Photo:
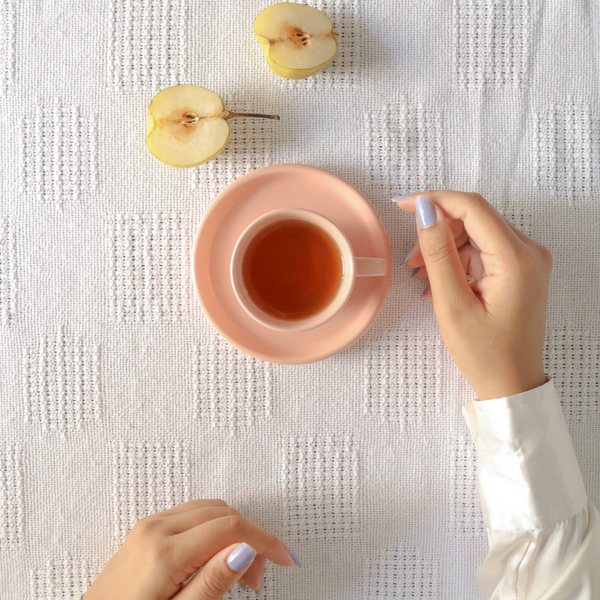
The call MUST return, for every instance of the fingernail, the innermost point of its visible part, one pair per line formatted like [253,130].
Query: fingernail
[261,589]
[241,557]
[415,271]
[295,558]
[396,198]
[425,291]
[425,212]
[406,257]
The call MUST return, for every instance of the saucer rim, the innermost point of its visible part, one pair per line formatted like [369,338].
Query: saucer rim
[299,360]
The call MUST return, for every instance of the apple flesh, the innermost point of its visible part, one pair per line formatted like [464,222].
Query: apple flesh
[188,125]
[298,40]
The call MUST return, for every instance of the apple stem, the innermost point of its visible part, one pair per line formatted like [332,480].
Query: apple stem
[232,115]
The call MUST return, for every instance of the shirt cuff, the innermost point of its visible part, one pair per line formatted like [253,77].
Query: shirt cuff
[529,477]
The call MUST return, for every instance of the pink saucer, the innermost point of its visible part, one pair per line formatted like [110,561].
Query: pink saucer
[268,189]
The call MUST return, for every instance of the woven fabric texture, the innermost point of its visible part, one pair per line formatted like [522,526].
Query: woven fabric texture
[117,398]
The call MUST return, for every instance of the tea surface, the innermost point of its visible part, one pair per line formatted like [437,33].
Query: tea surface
[292,269]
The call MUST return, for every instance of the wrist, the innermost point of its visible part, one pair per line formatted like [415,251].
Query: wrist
[503,386]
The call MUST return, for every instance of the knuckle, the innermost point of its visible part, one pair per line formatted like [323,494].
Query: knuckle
[547,257]
[214,583]
[519,258]
[235,524]
[527,263]
[532,262]
[218,502]
[147,526]
[477,199]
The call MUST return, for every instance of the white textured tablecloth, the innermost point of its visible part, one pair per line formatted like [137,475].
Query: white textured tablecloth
[117,399]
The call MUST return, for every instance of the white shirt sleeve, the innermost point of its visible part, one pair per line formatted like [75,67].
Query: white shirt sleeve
[544,534]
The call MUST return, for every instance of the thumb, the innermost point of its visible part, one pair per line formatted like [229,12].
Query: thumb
[447,278]
[219,574]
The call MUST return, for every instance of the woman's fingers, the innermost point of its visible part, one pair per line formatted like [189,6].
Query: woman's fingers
[181,522]
[426,295]
[519,233]
[476,287]
[484,224]
[460,239]
[471,261]
[191,505]
[220,574]
[449,285]
[419,273]
[194,548]
[414,258]
[254,575]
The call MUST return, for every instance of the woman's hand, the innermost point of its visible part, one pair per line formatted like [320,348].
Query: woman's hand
[494,327]
[164,550]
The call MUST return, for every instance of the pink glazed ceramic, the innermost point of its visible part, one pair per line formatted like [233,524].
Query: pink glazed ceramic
[352,267]
[263,191]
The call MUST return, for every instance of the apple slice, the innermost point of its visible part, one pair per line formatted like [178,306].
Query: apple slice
[298,39]
[188,125]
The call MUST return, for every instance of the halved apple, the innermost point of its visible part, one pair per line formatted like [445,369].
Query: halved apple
[187,125]
[298,39]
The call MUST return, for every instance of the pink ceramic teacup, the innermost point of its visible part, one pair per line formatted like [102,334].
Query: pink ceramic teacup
[352,267]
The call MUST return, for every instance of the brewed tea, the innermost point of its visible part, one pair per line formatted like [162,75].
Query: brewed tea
[292,269]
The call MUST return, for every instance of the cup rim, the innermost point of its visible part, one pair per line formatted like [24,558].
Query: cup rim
[332,308]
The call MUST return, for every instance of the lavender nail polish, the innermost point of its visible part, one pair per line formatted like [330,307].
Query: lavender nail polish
[426,214]
[414,272]
[241,557]
[295,558]
[405,260]
[425,291]
[403,197]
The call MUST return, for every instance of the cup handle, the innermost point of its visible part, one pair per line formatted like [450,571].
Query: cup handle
[370,267]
